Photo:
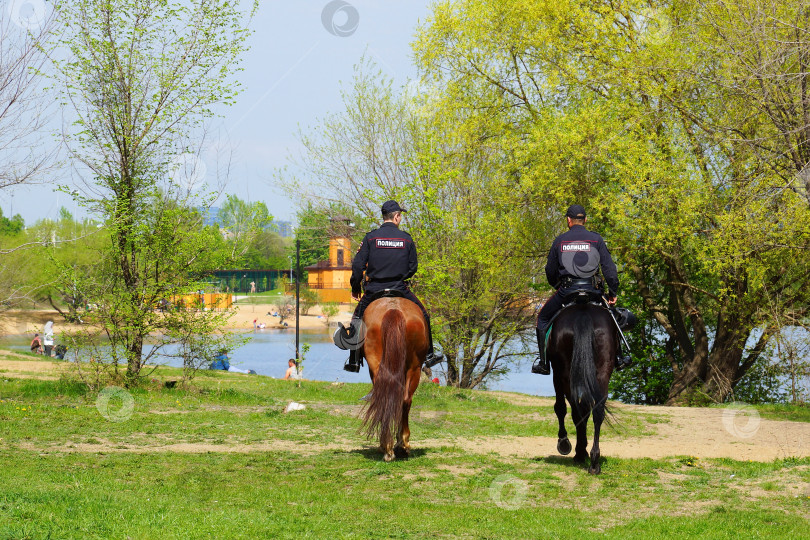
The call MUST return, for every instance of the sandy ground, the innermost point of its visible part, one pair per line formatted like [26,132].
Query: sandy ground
[735,432]
[244,316]
[27,322]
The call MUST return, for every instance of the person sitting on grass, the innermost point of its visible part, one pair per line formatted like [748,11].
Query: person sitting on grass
[36,344]
[292,371]
[223,362]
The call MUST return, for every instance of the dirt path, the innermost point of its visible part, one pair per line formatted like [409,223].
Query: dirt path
[703,433]
[18,366]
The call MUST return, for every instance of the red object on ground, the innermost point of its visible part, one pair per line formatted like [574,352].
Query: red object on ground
[435,380]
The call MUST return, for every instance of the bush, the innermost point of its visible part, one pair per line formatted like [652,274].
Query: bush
[330,310]
[285,307]
[309,299]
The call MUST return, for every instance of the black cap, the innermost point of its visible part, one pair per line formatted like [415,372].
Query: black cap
[575,211]
[390,207]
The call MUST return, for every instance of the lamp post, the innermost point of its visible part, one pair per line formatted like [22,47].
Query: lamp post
[297,294]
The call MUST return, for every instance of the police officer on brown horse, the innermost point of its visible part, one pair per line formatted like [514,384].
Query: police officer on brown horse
[386,260]
[573,263]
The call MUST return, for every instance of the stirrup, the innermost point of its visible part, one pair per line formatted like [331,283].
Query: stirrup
[541,366]
[353,367]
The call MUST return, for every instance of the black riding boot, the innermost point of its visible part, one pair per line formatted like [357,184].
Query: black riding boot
[540,365]
[353,363]
[622,361]
[432,357]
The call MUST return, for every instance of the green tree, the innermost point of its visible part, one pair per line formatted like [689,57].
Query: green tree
[140,77]
[242,222]
[607,105]
[68,253]
[388,144]
[24,157]
[11,226]
[268,250]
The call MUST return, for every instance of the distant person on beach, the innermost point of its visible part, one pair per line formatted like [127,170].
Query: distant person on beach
[292,371]
[36,344]
[48,338]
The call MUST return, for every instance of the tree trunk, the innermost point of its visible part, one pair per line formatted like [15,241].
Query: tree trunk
[688,377]
[134,355]
[714,375]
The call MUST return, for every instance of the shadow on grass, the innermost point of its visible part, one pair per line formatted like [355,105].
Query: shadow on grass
[567,461]
[374,454]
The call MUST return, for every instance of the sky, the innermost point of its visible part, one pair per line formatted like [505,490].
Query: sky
[301,52]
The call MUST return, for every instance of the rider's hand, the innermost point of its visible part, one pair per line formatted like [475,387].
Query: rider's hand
[356,296]
[612,300]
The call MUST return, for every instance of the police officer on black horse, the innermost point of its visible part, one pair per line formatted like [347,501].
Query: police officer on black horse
[573,263]
[388,258]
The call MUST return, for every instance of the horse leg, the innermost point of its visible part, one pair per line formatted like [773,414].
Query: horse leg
[403,447]
[387,449]
[560,409]
[604,368]
[598,418]
[580,418]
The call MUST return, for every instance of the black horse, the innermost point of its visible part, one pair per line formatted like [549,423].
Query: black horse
[582,348]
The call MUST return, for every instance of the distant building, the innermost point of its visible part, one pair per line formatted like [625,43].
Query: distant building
[331,277]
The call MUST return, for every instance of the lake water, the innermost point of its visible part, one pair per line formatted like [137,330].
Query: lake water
[268,351]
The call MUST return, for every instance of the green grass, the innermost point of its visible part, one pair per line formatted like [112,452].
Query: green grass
[259,473]
[796,413]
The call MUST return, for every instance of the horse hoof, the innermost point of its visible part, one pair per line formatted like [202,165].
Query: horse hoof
[388,457]
[564,446]
[580,460]
[595,470]
[402,452]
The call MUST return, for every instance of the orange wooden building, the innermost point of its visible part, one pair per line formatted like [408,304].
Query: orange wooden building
[330,278]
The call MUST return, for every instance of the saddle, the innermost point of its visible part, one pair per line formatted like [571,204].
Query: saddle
[625,319]
[386,293]
[352,338]
[577,297]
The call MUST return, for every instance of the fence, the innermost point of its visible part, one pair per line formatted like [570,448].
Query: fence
[201,301]
[247,281]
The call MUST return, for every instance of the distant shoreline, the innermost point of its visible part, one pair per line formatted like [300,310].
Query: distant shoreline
[30,321]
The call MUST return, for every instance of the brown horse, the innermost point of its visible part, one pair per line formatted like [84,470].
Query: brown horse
[582,348]
[395,348]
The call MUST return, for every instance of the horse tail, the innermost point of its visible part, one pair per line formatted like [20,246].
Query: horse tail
[384,413]
[584,386]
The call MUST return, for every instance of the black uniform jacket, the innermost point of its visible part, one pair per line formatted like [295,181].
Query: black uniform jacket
[578,238]
[388,257]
